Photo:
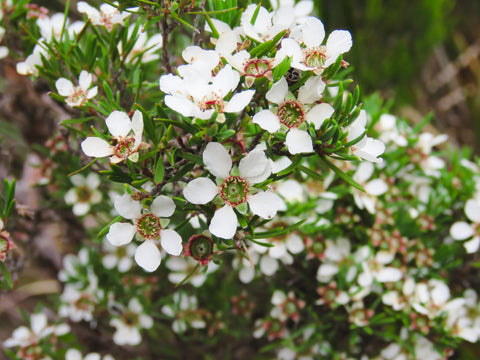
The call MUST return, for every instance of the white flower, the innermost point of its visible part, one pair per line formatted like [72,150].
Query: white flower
[29,66]
[184,311]
[126,147]
[77,305]
[199,94]
[84,194]
[38,330]
[129,324]
[367,148]
[234,190]
[53,27]
[108,15]
[291,113]
[267,25]
[119,257]
[462,230]
[76,95]
[144,47]
[305,46]
[388,130]
[148,226]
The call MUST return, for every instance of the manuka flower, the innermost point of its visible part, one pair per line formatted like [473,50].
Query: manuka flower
[148,226]
[367,148]
[199,94]
[144,47]
[124,146]
[108,15]
[292,113]
[305,46]
[76,95]
[129,324]
[234,190]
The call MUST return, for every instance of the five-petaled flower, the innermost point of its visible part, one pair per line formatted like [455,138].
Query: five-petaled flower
[124,146]
[76,95]
[147,224]
[234,190]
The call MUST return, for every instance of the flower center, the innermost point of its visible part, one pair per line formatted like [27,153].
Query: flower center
[290,113]
[212,102]
[125,147]
[290,308]
[84,194]
[234,190]
[315,57]
[148,226]
[257,67]
[130,318]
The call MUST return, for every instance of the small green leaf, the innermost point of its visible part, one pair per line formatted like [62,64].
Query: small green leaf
[276,232]
[105,230]
[159,171]
[342,175]
[8,279]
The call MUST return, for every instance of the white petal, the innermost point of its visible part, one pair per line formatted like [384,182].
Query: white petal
[472,245]
[127,207]
[319,113]
[461,231]
[313,32]
[217,160]
[376,187]
[371,151]
[312,90]
[121,233]
[137,123]
[96,147]
[389,274]
[148,256]
[64,87]
[472,210]
[267,121]
[268,265]
[266,204]
[224,223]
[298,141]
[295,244]
[364,172]
[38,322]
[171,242]
[118,124]
[278,91]
[73,354]
[85,80]
[255,167]
[338,42]
[238,101]
[200,191]
[163,206]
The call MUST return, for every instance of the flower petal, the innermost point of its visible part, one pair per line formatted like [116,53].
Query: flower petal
[121,233]
[472,245]
[163,206]
[85,80]
[217,160]
[127,207]
[278,91]
[238,101]
[266,204]
[96,147]
[319,113]
[312,90]
[313,32]
[338,42]
[298,141]
[461,230]
[472,210]
[267,120]
[171,242]
[147,256]
[64,87]
[118,124]
[224,223]
[255,167]
[200,191]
